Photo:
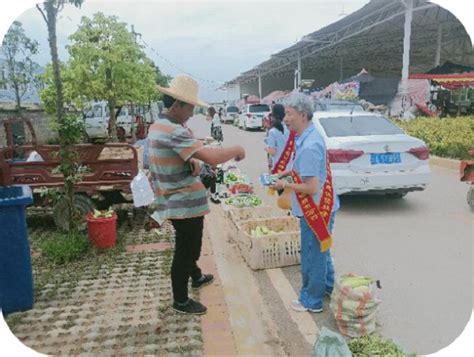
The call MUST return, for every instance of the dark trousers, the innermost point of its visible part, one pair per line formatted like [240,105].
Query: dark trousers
[186,254]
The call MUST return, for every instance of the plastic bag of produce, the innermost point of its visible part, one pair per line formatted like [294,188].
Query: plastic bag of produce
[330,344]
[355,305]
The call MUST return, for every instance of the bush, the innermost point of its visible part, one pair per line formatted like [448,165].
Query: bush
[63,248]
[445,137]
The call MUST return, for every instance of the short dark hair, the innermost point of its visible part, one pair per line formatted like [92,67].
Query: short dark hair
[168,101]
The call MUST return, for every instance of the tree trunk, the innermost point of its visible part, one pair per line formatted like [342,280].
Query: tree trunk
[132,123]
[111,102]
[112,121]
[65,154]
[17,96]
[51,13]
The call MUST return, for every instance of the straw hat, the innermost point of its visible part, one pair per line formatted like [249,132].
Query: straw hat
[185,89]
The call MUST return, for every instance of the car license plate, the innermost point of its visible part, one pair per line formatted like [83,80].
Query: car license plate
[388,158]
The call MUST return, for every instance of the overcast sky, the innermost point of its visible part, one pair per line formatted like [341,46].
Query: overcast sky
[211,41]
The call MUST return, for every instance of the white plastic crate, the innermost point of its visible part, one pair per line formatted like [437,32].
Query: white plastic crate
[237,216]
[273,250]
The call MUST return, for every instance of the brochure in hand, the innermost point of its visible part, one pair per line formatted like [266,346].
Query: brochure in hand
[267,179]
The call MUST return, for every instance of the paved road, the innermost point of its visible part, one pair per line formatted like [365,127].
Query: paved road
[420,247]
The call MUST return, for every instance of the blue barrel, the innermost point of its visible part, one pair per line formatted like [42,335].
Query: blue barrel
[16,278]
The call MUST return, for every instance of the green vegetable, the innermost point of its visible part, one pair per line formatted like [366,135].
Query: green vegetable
[374,345]
[244,201]
[102,214]
[261,231]
[231,178]
[356,281]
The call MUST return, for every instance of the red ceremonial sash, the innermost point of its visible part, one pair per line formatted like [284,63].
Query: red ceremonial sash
[318,217]
[285,155]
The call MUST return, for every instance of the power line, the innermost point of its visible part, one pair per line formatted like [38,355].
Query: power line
[207,82]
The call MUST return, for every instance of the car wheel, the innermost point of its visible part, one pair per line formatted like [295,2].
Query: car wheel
[396,195]
[470,197]
[61,216]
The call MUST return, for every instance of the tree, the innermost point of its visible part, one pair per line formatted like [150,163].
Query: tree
[49,10]
[17,49]
[48,95]
[160,78]
[108,64]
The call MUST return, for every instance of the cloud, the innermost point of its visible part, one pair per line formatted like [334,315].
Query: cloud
[211,40]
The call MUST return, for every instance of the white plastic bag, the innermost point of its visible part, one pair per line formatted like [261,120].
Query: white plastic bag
[34,157]
[142,192]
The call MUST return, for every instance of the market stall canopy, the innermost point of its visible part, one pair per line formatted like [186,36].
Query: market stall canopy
[449,67]
[449,75]
[374,89]
[252,99]
[371,38]
[274,96]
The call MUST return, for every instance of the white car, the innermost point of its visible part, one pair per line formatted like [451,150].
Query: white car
[230,114]
[252,116]
[96,118]
[370,154]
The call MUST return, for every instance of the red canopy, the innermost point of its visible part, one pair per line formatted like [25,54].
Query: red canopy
[449,81]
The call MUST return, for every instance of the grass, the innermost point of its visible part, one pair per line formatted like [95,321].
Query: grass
[59,260]
[61,248]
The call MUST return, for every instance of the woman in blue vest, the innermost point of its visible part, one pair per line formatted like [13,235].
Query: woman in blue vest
[277,136]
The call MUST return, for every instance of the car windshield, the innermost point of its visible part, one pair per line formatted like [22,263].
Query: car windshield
[336,106]
[344,107]
[259,108]
[232,110]
[359,126]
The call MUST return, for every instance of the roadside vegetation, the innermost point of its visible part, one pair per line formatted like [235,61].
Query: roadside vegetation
[445,137]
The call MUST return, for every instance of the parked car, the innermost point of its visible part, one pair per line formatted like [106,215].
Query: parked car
[230,114]
[252,116]
[370,154]
[96,118]
[329,105]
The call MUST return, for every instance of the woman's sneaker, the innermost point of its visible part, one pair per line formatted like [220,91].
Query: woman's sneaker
[191,307]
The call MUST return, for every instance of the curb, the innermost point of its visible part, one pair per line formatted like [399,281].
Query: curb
[217,332]
[446,163]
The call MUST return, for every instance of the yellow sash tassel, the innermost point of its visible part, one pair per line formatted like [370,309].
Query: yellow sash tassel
[271,191]
[325,244]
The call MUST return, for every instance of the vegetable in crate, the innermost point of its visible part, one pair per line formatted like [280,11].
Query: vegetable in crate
[261,231]
[244,201]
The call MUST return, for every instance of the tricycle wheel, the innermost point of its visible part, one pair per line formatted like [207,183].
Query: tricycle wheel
[470,197]
[61,214]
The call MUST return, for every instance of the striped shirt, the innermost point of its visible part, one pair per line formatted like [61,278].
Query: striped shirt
[178,194]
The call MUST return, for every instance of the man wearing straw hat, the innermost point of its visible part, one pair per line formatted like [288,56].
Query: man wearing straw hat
[180,196]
